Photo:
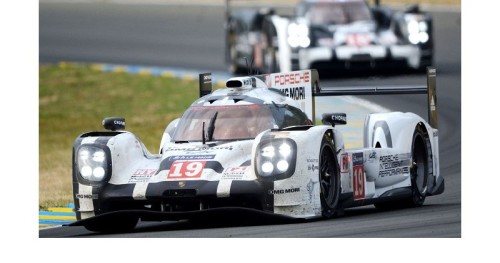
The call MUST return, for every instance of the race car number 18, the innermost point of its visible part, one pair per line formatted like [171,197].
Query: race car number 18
[186,169]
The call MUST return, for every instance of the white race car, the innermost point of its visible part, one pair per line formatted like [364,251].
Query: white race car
[252,148]
[329,34]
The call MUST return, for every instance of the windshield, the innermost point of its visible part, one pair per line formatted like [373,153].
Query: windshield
[235,122]
[230,122]
[324,13]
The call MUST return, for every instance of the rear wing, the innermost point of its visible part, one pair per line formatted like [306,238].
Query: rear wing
[303,86]
[430,90]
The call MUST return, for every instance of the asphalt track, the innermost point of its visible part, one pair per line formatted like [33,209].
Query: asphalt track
[192,37]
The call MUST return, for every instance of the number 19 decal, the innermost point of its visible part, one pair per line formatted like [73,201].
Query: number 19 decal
[186,169]
[359,182]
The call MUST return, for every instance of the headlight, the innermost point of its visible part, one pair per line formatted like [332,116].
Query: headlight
[417,30]
[298,35]
[275,158]
[93,163]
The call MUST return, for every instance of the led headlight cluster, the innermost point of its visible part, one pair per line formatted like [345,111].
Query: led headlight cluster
[417,32]
[276,158]
[92,162]
[298,35]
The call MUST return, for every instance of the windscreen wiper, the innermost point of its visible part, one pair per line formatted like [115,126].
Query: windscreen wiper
[211,127]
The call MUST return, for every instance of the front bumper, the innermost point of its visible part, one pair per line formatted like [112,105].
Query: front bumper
[233,215]
[177,196]
[344,56]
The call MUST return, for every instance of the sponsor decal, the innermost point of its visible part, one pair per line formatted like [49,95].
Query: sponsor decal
[372,155]
[284,191]
[344,163]
[288,78]
[358,176]
[358,40]
[142,175]
[336,117]
[235,173]
[357,159]
[296,85]
[433,104]
[181,169]
[191,157]
[394,164]
[200,148]
[296,93]
[87,196]
[280,134]
[312,167]
[145,172]
[116,122]
[312,160]
[310,188]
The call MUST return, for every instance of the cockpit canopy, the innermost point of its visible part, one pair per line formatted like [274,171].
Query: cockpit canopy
[235,122]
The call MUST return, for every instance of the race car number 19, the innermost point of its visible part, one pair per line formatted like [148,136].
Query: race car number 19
[186,169]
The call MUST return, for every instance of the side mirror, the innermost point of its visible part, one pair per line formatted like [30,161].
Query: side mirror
[334,119]
[114,123]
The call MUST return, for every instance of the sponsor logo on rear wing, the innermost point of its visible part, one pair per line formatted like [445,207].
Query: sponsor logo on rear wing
[297,85]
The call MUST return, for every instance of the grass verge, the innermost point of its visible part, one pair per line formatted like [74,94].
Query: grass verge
[74,98]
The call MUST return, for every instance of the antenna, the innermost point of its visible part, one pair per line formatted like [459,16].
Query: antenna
[249,71]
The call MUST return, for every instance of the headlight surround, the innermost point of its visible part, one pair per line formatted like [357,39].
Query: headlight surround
[298,35]
[276,158]
[93,163]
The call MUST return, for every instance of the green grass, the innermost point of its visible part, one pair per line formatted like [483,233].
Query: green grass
[74,98]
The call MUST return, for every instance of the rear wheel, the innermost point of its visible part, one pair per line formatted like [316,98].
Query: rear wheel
[329,178]
[420,167]
[419,172]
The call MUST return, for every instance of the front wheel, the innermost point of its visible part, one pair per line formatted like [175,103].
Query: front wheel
[329,178]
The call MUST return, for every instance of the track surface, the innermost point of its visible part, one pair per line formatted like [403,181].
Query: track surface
[192,37]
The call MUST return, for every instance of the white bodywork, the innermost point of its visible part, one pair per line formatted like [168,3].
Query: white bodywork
[382,165]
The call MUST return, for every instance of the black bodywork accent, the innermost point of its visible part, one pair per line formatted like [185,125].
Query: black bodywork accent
[182,196]
[231,214]
[347,199]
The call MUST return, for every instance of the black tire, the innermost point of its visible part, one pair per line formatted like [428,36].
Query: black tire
[329,178]
[113,225]
[420,155]
[419,172]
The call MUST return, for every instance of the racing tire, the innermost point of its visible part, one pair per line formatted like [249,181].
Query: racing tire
[115,225]
[419,171]
[329,178]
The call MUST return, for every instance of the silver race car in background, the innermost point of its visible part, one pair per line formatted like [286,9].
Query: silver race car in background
[328,34]
[252,147]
